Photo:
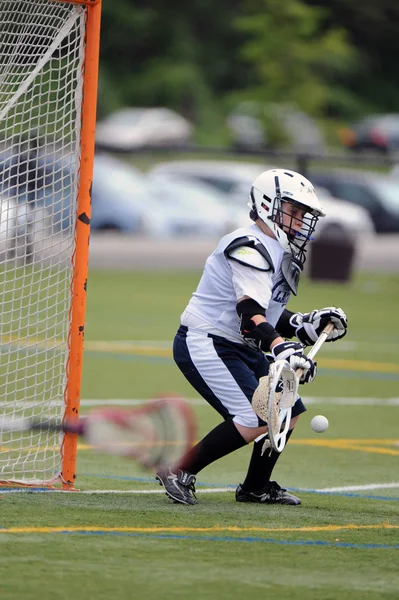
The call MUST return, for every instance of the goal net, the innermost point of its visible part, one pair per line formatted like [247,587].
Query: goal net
[43,56]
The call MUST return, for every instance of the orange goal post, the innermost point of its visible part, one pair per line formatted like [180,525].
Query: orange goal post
[49,53]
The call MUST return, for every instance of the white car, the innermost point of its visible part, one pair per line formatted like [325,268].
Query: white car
[343,219]
[235,178]
[18,229]
[190,208]
[232,178]
[126,200]
[133,128]
[247,126]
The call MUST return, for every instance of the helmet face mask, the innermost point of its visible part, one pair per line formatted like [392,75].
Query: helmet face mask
[298,225]
[287,204]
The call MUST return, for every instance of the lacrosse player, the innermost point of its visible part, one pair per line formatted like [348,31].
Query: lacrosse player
[236,315]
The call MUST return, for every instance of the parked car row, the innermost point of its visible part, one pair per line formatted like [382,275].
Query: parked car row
[378,133]
[179,198]
[234,179]
[133,128]
[375,193]
[136,128]
[252,125]
[124,199]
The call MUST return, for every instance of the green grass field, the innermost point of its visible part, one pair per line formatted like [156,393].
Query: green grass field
[120,537]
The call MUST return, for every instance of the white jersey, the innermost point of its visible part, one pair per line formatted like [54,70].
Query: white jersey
[212,307]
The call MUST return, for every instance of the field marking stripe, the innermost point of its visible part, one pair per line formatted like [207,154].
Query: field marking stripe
[337,444]
[158,349]
[154,350]
[346,401]
[323,363]
[355,445]
[362,445]
[358,488]
[201,402]
[202,489]
[91,528]
[236,539]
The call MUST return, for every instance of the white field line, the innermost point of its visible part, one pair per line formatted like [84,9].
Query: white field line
[307,400]
[359,488]
[199,402]
[214,490]
[349,488]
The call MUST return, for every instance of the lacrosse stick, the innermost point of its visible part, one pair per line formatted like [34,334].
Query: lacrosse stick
[154,434]
[277,393]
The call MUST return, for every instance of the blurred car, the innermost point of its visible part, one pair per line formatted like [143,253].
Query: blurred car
[44,186]
[343,219]
[395,171]
[120,196]
[134,128]
[379,133]
[123,199]
[376,193]
[232,178]
[192,208]
[16,230]
[248,126]
[126,200]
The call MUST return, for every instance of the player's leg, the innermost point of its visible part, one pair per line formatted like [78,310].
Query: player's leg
[257,485]
[221,373]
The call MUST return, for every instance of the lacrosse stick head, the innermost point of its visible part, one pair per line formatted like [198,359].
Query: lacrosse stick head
[273,400]
[154,434]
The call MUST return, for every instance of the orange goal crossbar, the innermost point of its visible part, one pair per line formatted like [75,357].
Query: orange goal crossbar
[87,2]
[82,237]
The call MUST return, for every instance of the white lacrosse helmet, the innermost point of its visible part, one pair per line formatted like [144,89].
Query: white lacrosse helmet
[275,186]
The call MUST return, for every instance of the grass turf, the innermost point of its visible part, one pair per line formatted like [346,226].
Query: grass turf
[336,545]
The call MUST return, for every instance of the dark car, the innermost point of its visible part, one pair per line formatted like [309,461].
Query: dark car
[47,184]
[378,133]
[378,194]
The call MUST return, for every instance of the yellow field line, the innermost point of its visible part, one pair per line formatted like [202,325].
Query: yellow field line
[356,445]
[129,347]
[358,365]
[364,445]
[327,528]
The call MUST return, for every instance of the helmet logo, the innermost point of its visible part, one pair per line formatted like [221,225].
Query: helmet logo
[265,207]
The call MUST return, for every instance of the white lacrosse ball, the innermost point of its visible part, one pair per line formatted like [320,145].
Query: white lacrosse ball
[319,423]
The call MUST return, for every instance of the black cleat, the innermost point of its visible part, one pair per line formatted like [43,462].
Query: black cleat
[180,487]
[272,493]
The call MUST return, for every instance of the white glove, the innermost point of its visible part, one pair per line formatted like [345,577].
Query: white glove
[293,353]
[309,326]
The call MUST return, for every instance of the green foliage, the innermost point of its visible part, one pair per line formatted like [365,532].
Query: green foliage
[291,59]
[202,62]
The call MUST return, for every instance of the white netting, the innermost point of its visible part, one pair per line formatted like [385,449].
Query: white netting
[41,54]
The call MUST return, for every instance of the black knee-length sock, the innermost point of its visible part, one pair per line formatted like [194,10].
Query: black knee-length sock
[261,467]
[221,441]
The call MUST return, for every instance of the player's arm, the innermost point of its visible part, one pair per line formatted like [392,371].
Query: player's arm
[253,325]
[252,269]
[256,331]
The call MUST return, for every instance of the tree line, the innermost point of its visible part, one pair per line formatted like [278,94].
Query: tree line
[203,57]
